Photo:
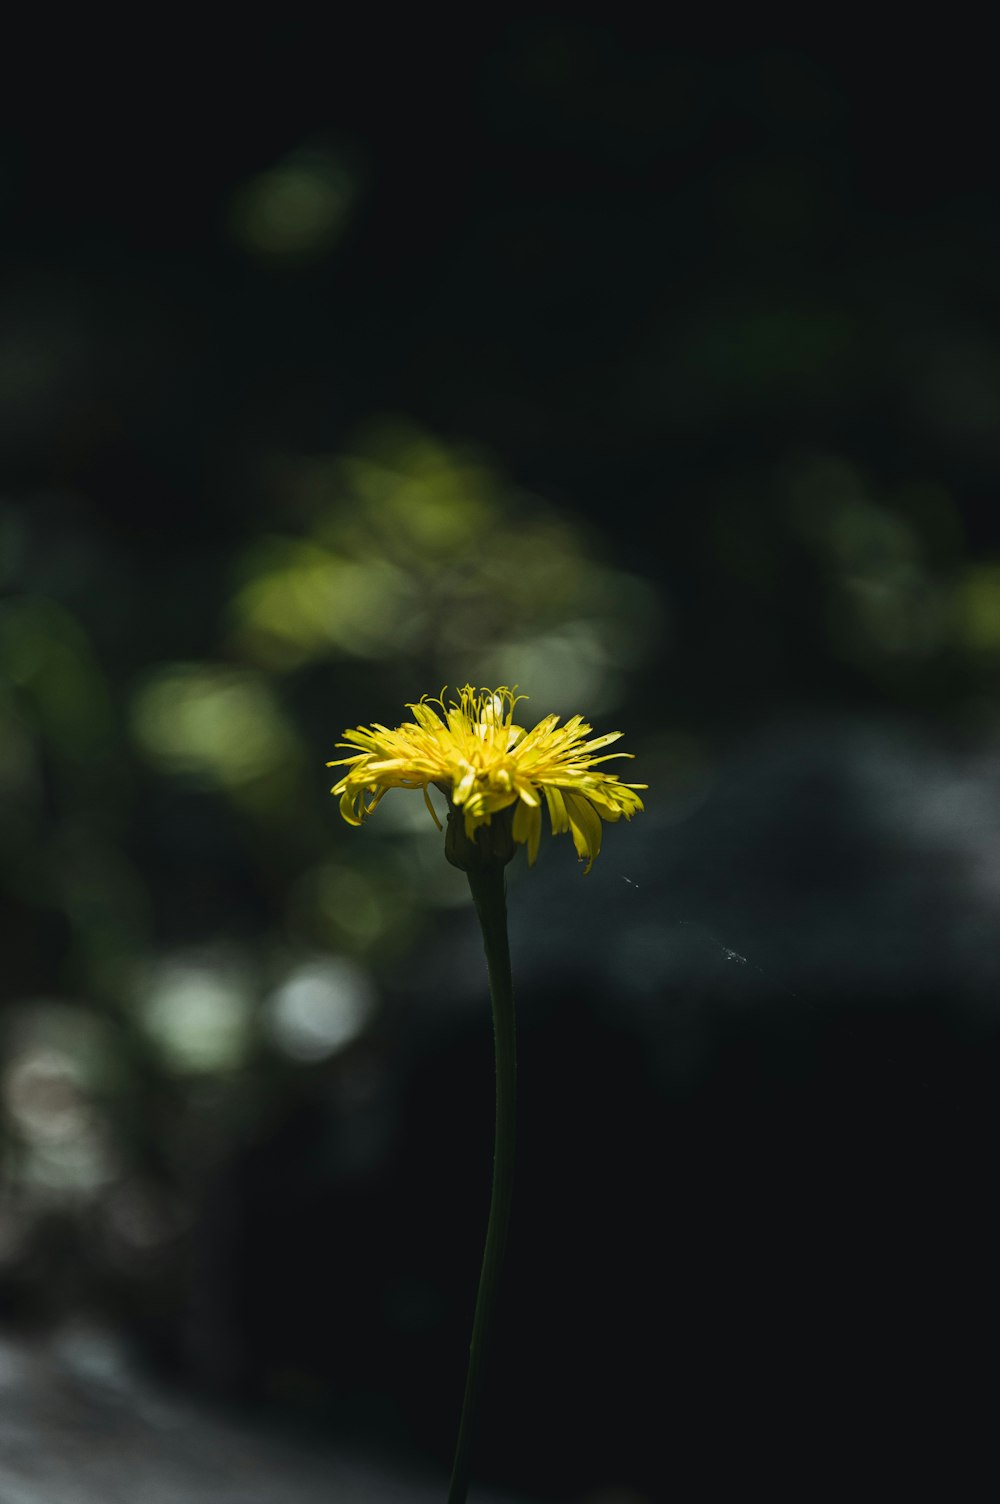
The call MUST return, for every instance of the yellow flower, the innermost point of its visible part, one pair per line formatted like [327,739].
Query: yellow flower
[473,752]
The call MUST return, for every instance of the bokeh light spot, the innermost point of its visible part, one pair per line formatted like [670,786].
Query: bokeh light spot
[320,1007]
[979,607]
[220,725]
[295,211]
[198,1012]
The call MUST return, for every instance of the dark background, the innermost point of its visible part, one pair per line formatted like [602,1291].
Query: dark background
[661,377]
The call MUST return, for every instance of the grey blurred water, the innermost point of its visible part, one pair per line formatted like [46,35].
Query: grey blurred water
[80,1425]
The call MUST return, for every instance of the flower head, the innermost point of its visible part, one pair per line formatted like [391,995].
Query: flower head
[485,764]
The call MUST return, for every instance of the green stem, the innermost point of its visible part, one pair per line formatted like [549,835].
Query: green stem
[488,894]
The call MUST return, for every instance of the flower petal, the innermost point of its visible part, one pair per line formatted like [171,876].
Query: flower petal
[557,809]
[585,827]
[528,828]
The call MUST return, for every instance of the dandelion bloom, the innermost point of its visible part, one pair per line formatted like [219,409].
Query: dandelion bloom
[485,764]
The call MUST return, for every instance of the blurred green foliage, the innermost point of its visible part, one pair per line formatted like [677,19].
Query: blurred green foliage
[411,559]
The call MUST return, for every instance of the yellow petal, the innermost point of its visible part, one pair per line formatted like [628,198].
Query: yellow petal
[557,809]
[528,828]
[585,826]
[434,817]
[349,807]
